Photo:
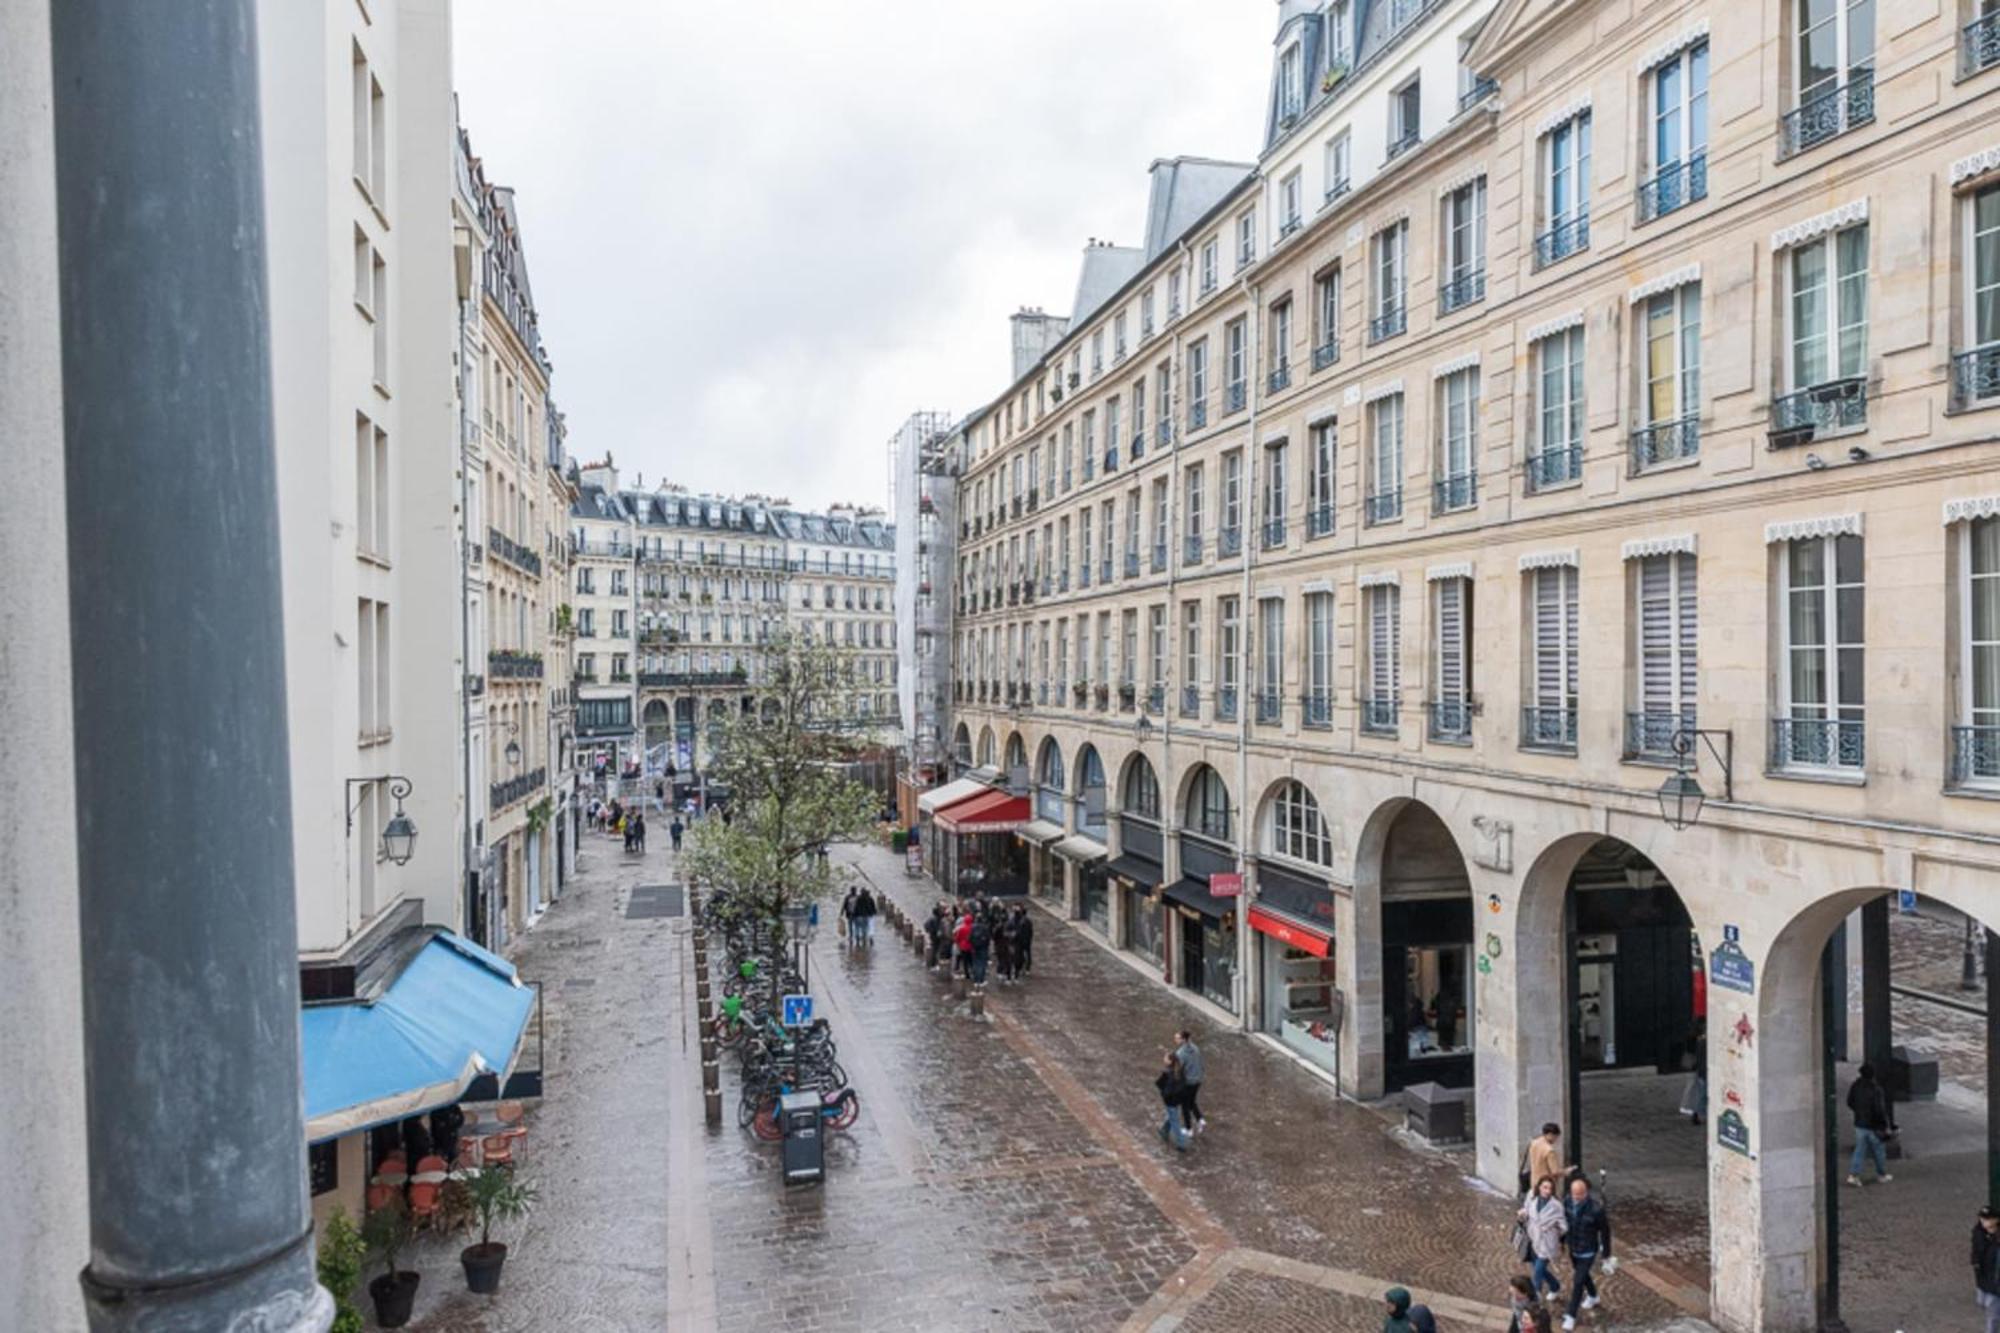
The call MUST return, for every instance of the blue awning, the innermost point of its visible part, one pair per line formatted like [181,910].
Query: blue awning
[455,1012]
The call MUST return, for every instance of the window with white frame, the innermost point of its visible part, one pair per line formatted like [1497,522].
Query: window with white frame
[1236,365]
[1128,651]
[1210,264]
[1820,722]
[1190,656]
[1977,370]
[1291,208]
[1326,316]
[1464,277]
[1291,85]
[1087,440]
[1246,238]
[1109,531]
[1068,458]
[1549,720]
[1228,655]
[1276,495]
[1382,679]
[1161,511]
[1322,438]
[1192,488]
[1339,165]
[1829,308]
[1197,384]
[1132,531]
[1836,47]
[1113,411]
[1163,395]
[1146,314]
[1156,652]
[1385,459]
[1664,626]
[1565,190]
[1083,547]
[1062,658]
[1670,366]
[1677,141]
[1281,344]
[1207,812]
[1558,438]
[1270,658]
[1319,659]
[1405,115]
[1173,294]
[1451,682]
[1391,269]
[1232,495]
[1096,353]
[1297,829]
[1976,740]
[1118,336]
[1339,36]
[1457,483]
[1103,676]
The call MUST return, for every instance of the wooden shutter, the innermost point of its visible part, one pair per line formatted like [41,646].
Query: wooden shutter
[1451,640]
[1688,614]
[1384,644]
[1659,686]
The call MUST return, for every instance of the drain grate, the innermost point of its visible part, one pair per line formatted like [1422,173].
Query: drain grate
[576,983]
[654,900]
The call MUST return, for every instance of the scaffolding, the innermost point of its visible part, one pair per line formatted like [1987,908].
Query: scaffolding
[923,469]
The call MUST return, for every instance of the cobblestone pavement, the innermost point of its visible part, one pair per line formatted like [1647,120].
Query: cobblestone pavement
[1005,1172]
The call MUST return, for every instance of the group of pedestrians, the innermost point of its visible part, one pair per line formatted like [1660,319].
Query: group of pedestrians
[1179,1082]
[967,936]
[857,912]
[1559,1216]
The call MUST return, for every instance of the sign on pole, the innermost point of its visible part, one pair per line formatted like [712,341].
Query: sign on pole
[798,1011]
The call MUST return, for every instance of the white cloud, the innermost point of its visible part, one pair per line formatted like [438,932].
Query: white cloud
[761,235]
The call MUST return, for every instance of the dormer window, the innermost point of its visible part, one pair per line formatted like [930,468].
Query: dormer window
[1290,90]
[1246,239]
[1339,39]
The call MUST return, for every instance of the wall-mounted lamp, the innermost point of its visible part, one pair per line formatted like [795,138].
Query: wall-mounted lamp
[399,835]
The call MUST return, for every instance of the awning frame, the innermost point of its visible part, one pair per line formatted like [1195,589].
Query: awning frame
[1082,849]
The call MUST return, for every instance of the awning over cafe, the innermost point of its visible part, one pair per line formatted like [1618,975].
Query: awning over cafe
[1310,939]
[453,1013]
[1080,849]
[991,812]
[1041,832]
[1190,891]
[1137,869]
[951,793]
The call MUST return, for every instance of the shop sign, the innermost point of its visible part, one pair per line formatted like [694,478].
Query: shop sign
[914,857]
[1732,1133]
[1730,968]
[1225,886]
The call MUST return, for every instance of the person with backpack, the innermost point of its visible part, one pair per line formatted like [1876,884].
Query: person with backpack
[1405,1317]
[1189,1055]
[1874,1125]
[675,830]
[864,912]
[1589,1235]
[1544,1221]
[980,937]
[1173,1086]
[1530,1315]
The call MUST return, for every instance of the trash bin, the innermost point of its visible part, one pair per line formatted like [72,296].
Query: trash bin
[804,1150]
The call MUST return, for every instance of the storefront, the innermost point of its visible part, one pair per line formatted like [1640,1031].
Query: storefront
[1427,991]
[1045,869]
[1205,960]
[1093,902]
[1136,874]
[981,852]
[1293,918]
[935,854]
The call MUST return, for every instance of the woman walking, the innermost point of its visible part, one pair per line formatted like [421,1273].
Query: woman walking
[1545,1222]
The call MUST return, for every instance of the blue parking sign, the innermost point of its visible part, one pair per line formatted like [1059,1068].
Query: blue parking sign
[1906,901]
[798,1010]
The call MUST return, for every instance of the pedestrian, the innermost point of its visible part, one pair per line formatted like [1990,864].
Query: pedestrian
[961,943]
[1530,1316]
[864,911]
[639,832]
[1698,1087]
[1003,948]
[1874,1125]
[1189,1055]
[446,1121]
[934,933]
[1172,1086]
[1589,1240]
[1544,1221]
[1986,1265]
[847,918]
[981,939]
[1024,942]
[1543,1157]
[1398,1321]
[675,830]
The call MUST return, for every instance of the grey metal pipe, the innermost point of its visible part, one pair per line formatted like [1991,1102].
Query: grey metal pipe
[199,1214]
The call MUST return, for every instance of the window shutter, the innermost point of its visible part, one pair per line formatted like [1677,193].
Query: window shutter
[1658,686]
[1548,638]
[1451,641]
[1384,644]
[1689,616]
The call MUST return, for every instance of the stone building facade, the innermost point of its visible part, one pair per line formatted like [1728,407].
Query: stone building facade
[1575,395]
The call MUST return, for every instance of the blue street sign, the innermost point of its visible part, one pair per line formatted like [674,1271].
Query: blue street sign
[798,1010]
[1906,901]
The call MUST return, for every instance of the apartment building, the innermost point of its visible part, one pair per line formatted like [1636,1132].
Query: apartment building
[605,601]
[1576,407]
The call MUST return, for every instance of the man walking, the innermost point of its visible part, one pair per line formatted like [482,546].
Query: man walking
[1986,1265]
[674,831]
[1589,1241]
[864,915]
[1189,1055]
[847,918]
[1024,942]
[1874,1125]
[981,938]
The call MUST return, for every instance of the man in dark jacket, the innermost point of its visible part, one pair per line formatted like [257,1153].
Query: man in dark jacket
[864,911]
[1986,1265]
[1024,943]
[981,939]
[1874,1125]
[1589,1239]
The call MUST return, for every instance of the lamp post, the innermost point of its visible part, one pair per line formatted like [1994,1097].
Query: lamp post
[399,834]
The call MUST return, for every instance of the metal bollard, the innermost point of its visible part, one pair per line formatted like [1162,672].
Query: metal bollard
[978,1001]
[711,1075]
[712,1106]
[708,1045]
[964,984]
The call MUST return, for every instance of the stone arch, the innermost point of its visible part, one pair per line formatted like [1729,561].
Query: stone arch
[1206,806]
[1016,751]
[1090,790]
[986,747]
[961,744]
[1139,787]
[1288,807]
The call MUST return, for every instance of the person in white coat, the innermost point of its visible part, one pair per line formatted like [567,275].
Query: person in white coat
[1543,1217]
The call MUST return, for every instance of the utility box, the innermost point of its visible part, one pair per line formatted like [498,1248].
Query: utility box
[804,1148]
[1436,1112]
[1913,1075]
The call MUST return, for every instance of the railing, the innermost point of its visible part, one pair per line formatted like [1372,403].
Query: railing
[1288,226]
[475,553]
[1797,418]
[1190,701]
[1828,115]
[1197,414]
[1402,145]
[1104,570]
[1388,324]
[1191,550]
[1228,542]
[1048,585]
[1042,692]
[1131,564]
[1975,756]
[1548,729]
[621,678]
[1164,433]
[1562,240]
[1156,699]
[504,665]
[1460,491]
[1450,721]
[1665,442]
[1326,354]
[1462,292]
[504,794]
[1316,708]
[1234,396]
[1034,499]
[1270,707]
[1975,375]
[1818,742]
[1380,717]
[1979,44]
[1274,533]
[1651,735]
[1677,185]
[1103,698]
[1110,461]
[1555,466]
[1383,507]
[1476,94]
[1319,521]
[1159,556]
[1083,574]
[1225,703]
[668,680]
[513,552]
[1281,378]
[1128,696]
[1338,189]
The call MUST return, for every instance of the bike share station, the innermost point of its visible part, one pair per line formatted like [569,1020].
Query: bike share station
[804,1150]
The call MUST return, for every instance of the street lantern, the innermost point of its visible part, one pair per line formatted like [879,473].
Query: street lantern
[1681,799]
[399,835]
[513,751]
[1681,795]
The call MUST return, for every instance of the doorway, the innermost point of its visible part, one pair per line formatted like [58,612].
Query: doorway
[1194,952]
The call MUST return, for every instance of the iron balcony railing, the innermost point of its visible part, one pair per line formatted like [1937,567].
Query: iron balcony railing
[1164,433]
[1042,693]
[1228,542]
[1818,742]
[1338,189]
[1450,721]
[670,680]
[1665,442]
[1156,699]
[1326,354]
[1388,324]
[1083,575]
[1234,397]
[1316,708]
[1319,520]
[1975,755]
[1191,550]
[1225,703]
[1197,414]
[1102,698]
[1459,491]
[1288,226]
[1975,374]
[504,665]
[1110,461]
[1462,291]
[1270,707]
[1383,507]
[1128,695]
[475,684]
[504,794]
[1979,44]
[1274,533]
[1380,717]
[1650,735]
[1563,239]
[1476,94]
[1548,728]
[1131,564]
[1828,115]
[1555,467]
[1403,144]
[1281,378]
[513,552]
[1190,701]
[1799,417]
[1159,556]
[1676,185]
[1104,570]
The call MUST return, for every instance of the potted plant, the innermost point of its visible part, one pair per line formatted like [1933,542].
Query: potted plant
[342,1253]
[386,1231]
[497,1195]
[1333,78]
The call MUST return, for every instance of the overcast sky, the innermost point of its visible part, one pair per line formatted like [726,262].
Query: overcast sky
[760,235]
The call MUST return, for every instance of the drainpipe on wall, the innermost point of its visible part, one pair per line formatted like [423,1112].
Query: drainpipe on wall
[1251,647]
[188,906]
[1170,853]
[469,914]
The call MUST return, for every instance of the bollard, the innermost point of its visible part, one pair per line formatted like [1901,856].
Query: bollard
[701,991]
[963,985]
[708,1045]
[712,1106]
[711,1075]
[978,1001]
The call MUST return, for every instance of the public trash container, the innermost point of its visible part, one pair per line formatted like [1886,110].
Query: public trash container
[804,1149]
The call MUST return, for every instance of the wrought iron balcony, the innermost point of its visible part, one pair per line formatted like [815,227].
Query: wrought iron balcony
[1234,397]
[1403,143]
[1391,322]
[670,680]
[1083,576]
[1159,557]
[1128,696]
[1131,564]
[1383,507]
[1326,354]
[1665,442]
[1800,417]
[1228,542]
[1828,115]
[1555,467]
[1476,94]
[1190,701]
[1104,570]
[503,794]
[1975,756]
[513,552]
[1164,433]
[1156,699]
[1062,582]
[1462,291]
[1316,708]
[1015,505]
[502,664]
[1102,698]
[1191,550]
[1979,44]
[1450,721]
[1650,735]
[1460,491]
[1548,729]
[475,684]
[1042,693]
[1975,375]
[1562,240]
[1110,461]
[1270,707]
[1274,533]
[1138,439]
[1197,414]
[1338,189]
[1676,185]
[1319,520]
[1818,742]
[1288,226]
[1380,717]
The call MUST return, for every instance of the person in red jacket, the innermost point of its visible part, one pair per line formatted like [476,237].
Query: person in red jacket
[961,939]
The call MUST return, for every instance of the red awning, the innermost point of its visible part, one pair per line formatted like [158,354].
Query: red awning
[1295,933]
[988,812]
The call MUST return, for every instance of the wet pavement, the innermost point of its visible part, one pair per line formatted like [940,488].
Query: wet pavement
[1005,1172]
